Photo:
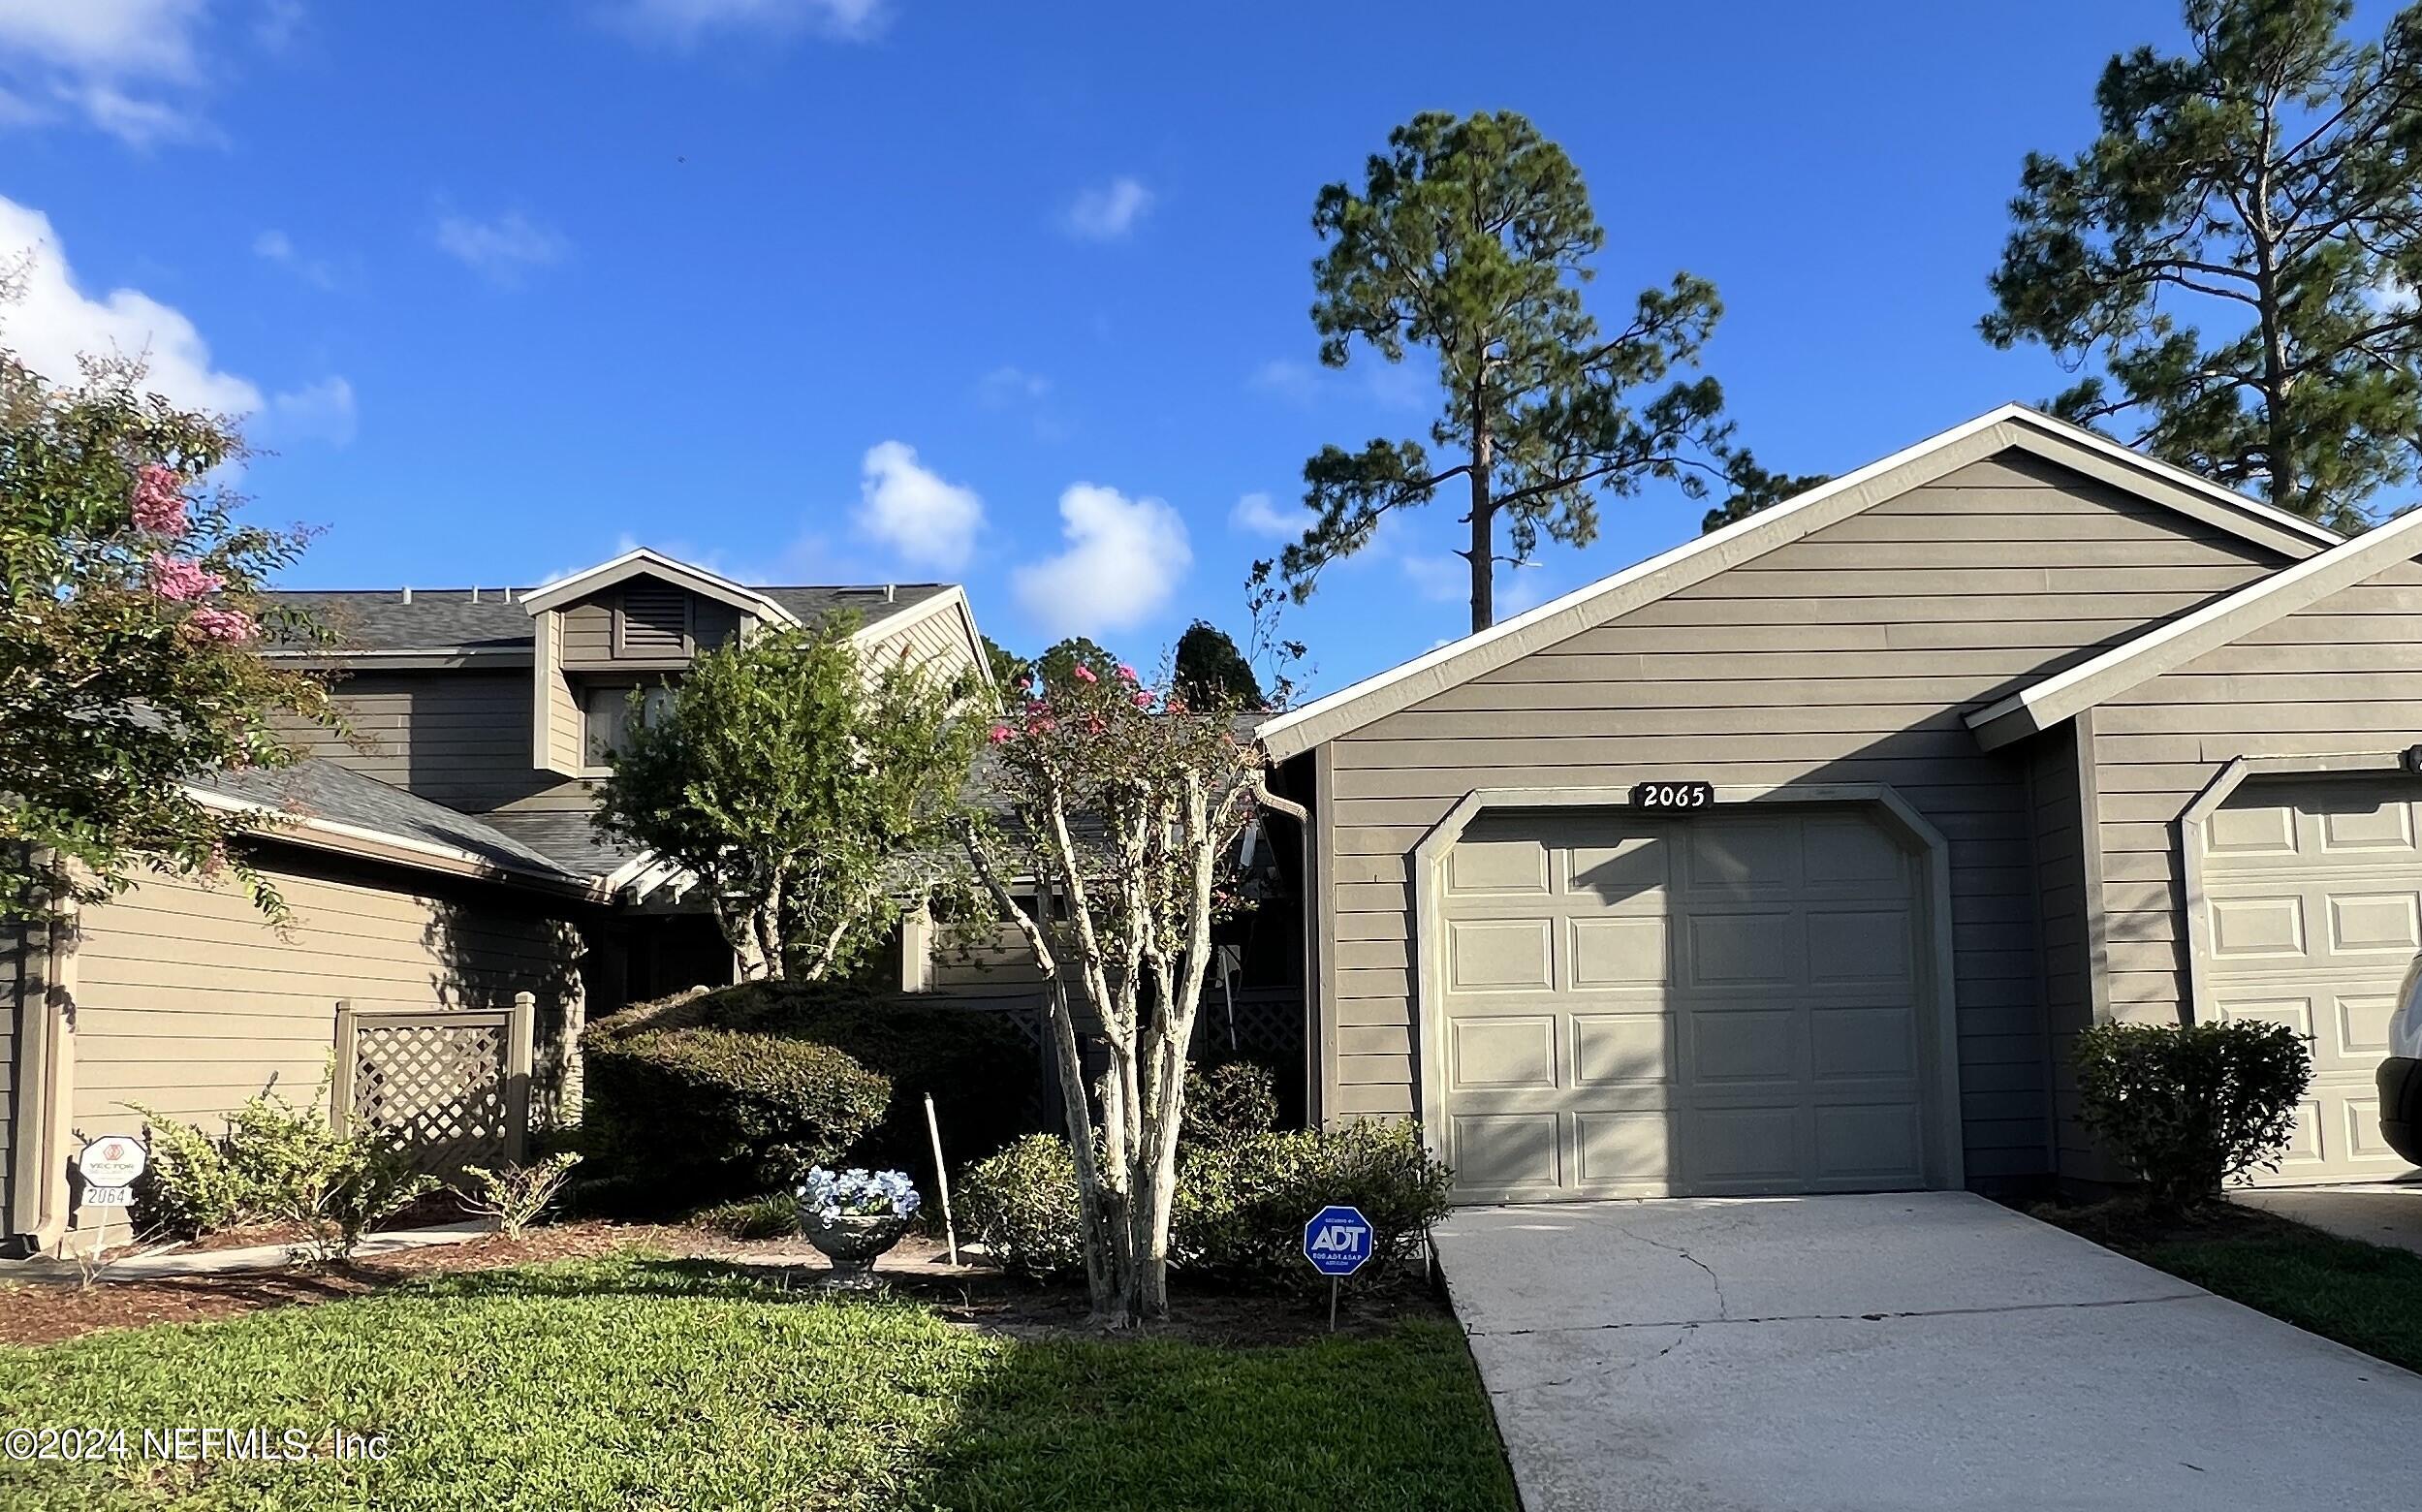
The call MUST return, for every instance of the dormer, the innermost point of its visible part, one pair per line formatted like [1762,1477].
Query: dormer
[634,623]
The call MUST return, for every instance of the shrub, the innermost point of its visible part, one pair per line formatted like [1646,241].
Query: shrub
[681,1105]
[515,1194]
[1227,1103]
[762,1080]
[2190,1109]
[1241,1208]
[277,1162]
[771,1216]
[1020,1205]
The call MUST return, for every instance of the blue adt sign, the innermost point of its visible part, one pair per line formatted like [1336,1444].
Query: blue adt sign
[1337,1241]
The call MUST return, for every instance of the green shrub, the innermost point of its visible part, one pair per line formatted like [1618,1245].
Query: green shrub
[277,1162]
[750,1084]
[2191,1108]
[1241,1208]
[771,1216]
[685,1108]
[517,1193]
[1226,1103]
[1020,1205]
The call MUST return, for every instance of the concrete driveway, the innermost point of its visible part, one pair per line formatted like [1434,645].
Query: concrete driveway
[1926,1350]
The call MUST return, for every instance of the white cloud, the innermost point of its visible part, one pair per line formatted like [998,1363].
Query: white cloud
[1111,211]
[687,22]
[1124,558]
[275,246]
[54,323]
[1257,514]
[1007,384]
[323,411]
[125,66]
[912,509]
[2390,295]
[501,249]
[1288,379]
[1441,577]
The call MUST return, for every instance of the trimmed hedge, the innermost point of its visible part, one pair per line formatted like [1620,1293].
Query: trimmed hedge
[2192,1108]
[1241,1205]
[727,1093]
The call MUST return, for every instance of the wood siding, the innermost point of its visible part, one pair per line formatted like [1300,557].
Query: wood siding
[937,642]
[188,1001]
[2060,783]
[660,621]
[2344,675]
[1848,656]
[15,971]
[458,736]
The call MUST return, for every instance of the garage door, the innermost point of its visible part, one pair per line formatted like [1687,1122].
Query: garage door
[2313,891]
[1644,1006]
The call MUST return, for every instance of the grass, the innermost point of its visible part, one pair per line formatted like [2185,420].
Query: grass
[2365,1296]
[634,1383]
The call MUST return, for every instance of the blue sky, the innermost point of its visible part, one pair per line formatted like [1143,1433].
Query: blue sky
[821,289]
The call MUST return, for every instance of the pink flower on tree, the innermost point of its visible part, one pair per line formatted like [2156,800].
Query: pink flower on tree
[1085,674]
[180,579]
[159,502]
[1127,673]
[1002,735]
[222,625]
[1143,698]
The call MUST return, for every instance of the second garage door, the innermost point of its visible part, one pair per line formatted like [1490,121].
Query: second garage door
[1724,1003]
[2313,910]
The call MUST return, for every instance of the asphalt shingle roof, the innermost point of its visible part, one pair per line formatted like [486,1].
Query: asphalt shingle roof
[317,788]
[378,619]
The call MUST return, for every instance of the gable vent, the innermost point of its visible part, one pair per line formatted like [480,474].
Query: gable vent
[655,619]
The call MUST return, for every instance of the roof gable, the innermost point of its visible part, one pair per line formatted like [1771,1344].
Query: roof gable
[2066,694]
[2009,427]
[643,563]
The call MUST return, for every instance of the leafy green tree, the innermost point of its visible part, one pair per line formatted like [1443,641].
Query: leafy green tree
[1058,663]
[1007,665]
[1212,673]
[1472,238]
[2237,247]
[1754,489]
[806,787]
[131,627]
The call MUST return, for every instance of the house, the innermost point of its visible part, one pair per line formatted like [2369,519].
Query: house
[456,918]
[2009,733]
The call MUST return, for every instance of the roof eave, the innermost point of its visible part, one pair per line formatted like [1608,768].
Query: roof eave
[364,842]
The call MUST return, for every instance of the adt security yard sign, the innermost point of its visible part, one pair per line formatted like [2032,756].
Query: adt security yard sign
[1337,1241]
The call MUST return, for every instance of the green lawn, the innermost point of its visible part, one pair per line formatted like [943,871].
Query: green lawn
[2367,1296]
[644,1383]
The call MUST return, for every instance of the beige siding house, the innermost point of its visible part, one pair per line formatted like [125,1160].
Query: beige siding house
[451,905]
[1793,859]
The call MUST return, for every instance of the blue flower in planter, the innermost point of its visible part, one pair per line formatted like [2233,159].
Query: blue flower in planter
[858,1193]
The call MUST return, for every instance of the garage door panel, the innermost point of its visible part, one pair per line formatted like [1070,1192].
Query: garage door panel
[1503,1051]
[1716,984]
[1742,949]
[1845,1043]
[2313,910]
[1484,866]
[1618,951]
[1507,1150]
[1499,954]
[1614,1050]
[1858,945]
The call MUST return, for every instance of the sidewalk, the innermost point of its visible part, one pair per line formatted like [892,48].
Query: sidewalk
[2377,1213]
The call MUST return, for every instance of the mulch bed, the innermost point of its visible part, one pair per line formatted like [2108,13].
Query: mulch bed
[47,1311]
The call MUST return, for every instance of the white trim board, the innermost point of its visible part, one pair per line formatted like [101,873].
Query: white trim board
[2012,426]
[642,560]
[2066,694]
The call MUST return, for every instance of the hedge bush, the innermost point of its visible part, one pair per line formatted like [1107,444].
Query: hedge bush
[277,1162]
[2191,1108]
[725,1093]
[1240,1207]
[1224,1103]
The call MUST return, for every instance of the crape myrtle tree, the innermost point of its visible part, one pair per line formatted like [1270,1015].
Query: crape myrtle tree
[2237,247]
[132,622]
[1472,238]
[807,785]
[1121,809]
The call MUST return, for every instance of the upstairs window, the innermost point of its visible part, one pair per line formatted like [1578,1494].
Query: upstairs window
[608,709]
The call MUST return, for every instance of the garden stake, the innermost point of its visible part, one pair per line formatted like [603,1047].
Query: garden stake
[941,1180]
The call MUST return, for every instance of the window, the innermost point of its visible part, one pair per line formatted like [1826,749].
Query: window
[608,707]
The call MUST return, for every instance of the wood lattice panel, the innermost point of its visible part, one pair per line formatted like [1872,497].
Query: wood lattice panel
[438,1085]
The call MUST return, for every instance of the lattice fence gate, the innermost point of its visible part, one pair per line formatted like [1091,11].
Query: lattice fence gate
[452,1086]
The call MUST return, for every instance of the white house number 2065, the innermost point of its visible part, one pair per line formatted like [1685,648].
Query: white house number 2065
[1673,794]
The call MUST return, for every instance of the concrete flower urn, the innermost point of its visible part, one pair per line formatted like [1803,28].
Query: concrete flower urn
[853,1242]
